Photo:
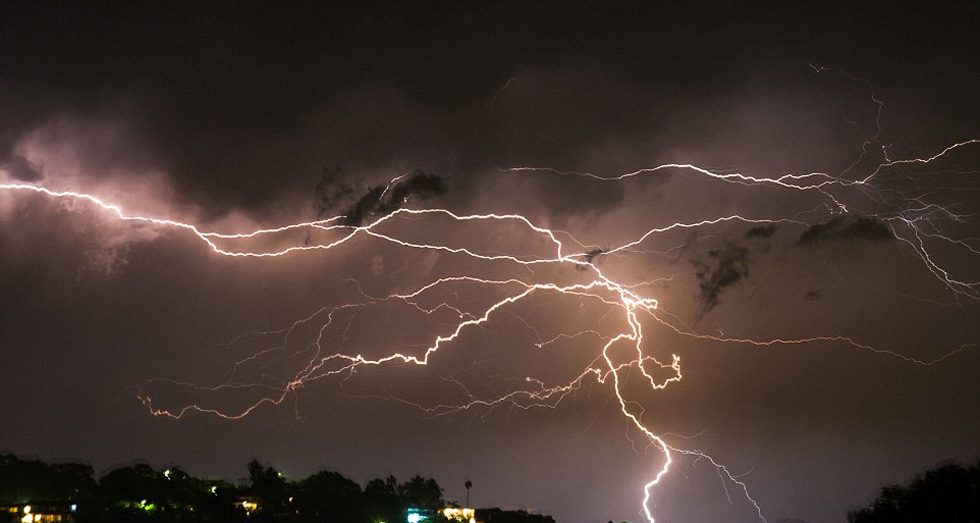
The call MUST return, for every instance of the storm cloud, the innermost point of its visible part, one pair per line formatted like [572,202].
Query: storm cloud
[723,268]
[21,169]
[865,228]
[224,115]
[762,231]
[383,199]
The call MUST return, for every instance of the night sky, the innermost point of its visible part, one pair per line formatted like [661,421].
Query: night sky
[798,188]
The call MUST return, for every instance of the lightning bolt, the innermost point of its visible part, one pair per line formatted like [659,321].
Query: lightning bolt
[913,218]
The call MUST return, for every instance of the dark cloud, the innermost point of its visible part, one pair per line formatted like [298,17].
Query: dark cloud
[813,295]
[383,199]
[725,267]
[590,256]
[846,228]
[236,104]
[331,191]
[762,231]
[593,253]
[22,169]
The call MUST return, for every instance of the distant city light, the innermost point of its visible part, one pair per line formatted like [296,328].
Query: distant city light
[459,514]
[416,515]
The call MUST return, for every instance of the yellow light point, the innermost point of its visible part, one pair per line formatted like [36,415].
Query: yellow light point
[591,284]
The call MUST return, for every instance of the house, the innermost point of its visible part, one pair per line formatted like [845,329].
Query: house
[40,512]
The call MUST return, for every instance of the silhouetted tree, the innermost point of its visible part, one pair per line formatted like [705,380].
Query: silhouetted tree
[329,497]
[73,481]
[382,502]
[949,493]
[422,493]
[216,501]
[134,493]
[22,481]
[142,494]
[269,488]
[496,515]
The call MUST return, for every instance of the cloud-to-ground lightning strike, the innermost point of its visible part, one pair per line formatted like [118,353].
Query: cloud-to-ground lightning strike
[912,218]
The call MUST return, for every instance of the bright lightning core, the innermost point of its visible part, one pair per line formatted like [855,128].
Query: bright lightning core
[502,304]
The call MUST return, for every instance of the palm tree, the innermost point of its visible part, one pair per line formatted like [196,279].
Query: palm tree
[468,485]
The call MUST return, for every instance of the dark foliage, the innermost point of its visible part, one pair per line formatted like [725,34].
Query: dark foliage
[330,497]
[382,501]
[25,480]
[421,492]
[141,493]
[949,493]
[268,488]
[496,515]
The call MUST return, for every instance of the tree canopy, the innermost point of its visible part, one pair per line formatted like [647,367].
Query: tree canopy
[949,493]
[143,493]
